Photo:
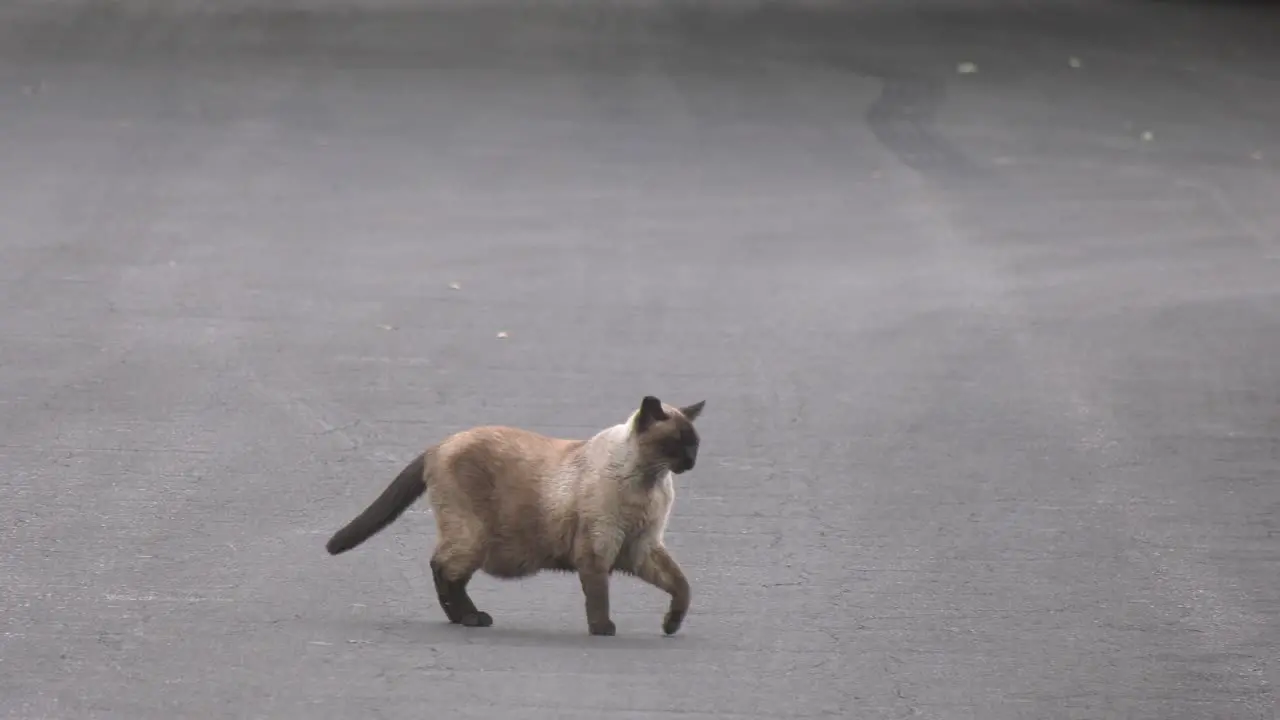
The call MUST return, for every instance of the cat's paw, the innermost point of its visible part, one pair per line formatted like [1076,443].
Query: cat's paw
[603,628]
[671,623]
[477,619]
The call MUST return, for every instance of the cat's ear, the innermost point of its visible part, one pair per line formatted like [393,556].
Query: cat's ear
[650,412]
[693,411]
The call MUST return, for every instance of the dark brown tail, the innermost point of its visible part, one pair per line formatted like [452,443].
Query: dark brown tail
[399,495]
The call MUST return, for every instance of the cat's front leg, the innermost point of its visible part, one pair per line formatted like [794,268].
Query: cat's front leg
[594,561]
[595,586]
[659,569]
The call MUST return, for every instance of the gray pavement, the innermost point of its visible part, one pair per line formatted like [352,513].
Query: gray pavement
[992,359]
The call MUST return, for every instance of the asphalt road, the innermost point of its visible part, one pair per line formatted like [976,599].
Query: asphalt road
[992,358]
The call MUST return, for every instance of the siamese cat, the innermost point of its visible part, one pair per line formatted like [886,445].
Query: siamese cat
[512,503]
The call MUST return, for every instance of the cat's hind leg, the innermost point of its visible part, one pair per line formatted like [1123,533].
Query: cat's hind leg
[452,566]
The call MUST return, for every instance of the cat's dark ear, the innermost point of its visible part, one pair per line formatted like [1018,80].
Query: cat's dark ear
[693,411]
[650,412]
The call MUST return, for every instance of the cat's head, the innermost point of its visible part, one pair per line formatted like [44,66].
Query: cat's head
[666,434]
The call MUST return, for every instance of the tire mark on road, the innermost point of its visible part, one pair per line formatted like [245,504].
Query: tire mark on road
[904,119]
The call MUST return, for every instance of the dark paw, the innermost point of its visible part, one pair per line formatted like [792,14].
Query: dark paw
[605,628]
[671,623]
[477,619]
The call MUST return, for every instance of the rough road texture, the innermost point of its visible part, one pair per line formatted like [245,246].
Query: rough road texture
[992,381]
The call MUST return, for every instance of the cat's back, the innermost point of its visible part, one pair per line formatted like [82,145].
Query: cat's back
[502,457]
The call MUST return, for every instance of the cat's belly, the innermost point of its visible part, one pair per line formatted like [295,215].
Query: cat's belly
[512,563]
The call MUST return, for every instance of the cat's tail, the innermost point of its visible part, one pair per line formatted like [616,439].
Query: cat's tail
[399,495]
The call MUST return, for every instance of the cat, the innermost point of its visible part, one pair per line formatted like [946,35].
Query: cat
[512,502]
